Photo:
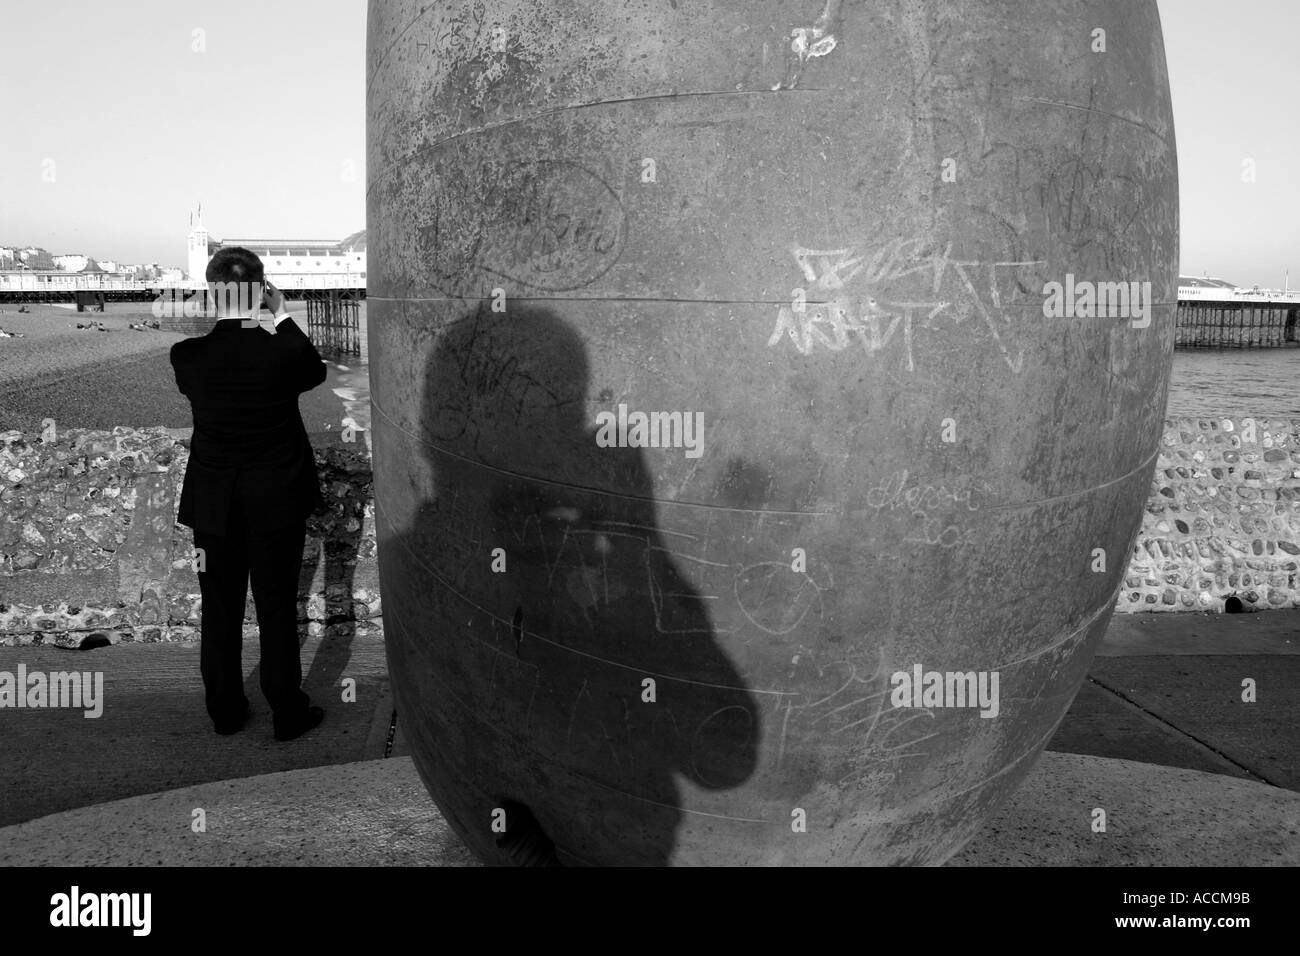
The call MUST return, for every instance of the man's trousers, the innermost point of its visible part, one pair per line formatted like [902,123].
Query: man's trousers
[272,560]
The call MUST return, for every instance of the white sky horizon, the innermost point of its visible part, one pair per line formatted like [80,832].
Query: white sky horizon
[125,186]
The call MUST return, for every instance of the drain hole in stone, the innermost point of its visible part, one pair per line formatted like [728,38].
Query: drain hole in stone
[525,841]
[1232,605]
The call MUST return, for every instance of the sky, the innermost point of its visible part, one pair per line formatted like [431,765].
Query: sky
[109,135]
[138,122]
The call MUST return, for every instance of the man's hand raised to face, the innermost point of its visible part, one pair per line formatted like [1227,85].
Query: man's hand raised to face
[273,299]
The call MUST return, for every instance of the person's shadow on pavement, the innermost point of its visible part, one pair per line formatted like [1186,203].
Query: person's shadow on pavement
[333,540]
[338,531]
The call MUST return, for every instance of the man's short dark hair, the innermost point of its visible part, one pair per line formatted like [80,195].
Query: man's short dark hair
[235,264]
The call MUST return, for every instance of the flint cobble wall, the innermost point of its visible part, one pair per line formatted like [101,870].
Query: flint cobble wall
[89,544]
[87,524]
[1222,519]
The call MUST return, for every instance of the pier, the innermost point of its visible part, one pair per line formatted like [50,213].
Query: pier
[333,322]
[54,286]
[1219,318]
[1212,318]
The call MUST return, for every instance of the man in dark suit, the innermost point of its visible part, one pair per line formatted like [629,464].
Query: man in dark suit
[249,486]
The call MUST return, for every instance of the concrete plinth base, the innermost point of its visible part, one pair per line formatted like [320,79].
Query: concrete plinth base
[1154,816]
[377,813]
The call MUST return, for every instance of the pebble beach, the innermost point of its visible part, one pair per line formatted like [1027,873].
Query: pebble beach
[85,378]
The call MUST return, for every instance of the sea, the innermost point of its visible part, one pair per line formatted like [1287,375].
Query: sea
[1211,383]
[352,383]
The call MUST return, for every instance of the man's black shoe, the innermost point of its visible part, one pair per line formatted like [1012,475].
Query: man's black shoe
[232,725]
[290,729]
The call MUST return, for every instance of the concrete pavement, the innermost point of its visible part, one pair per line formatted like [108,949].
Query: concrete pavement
[377,813]
[1165,690]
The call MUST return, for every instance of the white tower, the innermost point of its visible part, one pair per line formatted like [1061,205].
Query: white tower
[198,247]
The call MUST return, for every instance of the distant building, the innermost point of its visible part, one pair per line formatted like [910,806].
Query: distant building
[1204,282]
[1192,290]
[71,262]
[142,270]
[200,248]
[289,262]
[36,259]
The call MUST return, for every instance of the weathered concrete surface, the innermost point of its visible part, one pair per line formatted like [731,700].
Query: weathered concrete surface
[1155,816]
[374,813]
[739,214]
[1202,697]
[1166,689]
[377,813]
[154,733]
[1100,723]
[1145,635]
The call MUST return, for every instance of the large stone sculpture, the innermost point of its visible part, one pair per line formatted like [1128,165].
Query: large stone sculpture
[765,396]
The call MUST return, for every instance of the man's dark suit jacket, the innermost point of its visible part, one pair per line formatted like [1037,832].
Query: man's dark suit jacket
[249,441]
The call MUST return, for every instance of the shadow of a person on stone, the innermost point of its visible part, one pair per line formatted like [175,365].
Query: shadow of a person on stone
[549,661]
